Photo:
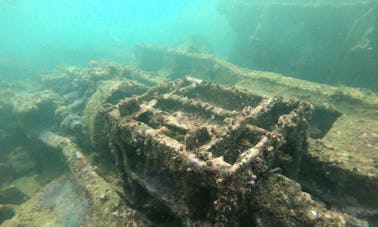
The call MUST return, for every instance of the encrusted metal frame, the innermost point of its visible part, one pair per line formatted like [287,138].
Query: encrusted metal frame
[201,148]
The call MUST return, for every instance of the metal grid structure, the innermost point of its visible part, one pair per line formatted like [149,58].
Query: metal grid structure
[200,148]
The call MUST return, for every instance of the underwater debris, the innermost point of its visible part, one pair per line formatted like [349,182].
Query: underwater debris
[190,152]
[332,119]
[214,144]
[107,92]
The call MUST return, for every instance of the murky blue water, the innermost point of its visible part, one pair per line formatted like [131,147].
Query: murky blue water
[41,34]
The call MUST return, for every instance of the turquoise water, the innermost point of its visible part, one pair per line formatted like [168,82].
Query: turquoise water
[59,109]
[41,34]
[332,42]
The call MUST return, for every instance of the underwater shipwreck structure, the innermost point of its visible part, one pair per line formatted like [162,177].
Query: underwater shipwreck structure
[186,139]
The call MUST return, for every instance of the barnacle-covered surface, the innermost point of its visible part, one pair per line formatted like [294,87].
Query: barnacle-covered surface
[202,149]
[279,196]
[109,92]
[341,161]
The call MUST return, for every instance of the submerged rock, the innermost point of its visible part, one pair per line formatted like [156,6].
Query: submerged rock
[36,109]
